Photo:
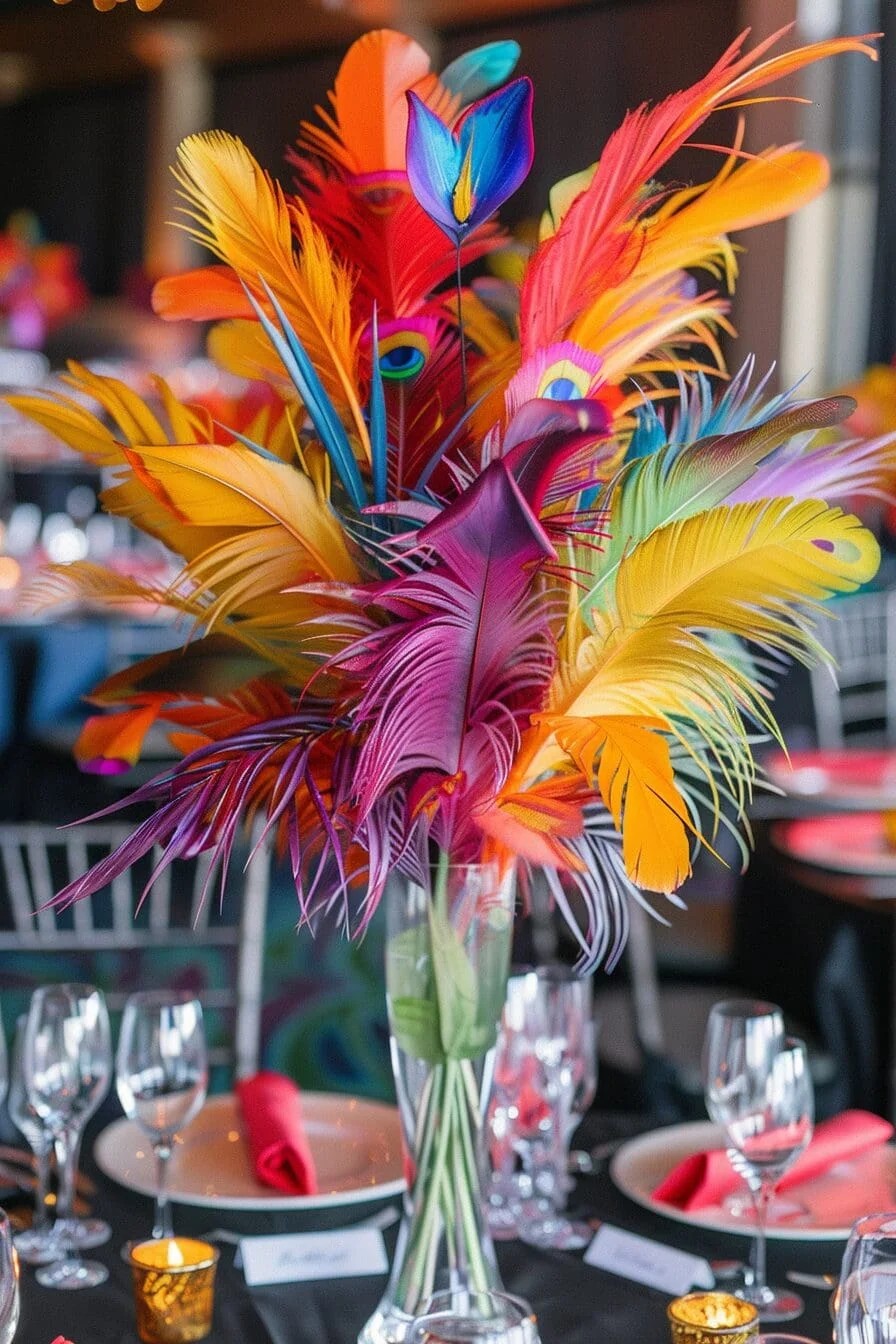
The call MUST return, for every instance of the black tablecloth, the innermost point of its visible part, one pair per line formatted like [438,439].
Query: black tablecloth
[575,1303]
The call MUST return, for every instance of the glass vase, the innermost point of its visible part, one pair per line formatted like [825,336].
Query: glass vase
[447,962]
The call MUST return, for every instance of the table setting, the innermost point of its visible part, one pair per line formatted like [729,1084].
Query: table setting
[283,1247]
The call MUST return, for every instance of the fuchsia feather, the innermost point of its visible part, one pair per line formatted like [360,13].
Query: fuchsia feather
[470,633]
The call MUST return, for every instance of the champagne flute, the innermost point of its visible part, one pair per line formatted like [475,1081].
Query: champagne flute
[866,1297]
[162,1077]
[559,1008]
[38,1244]
[9,1283]
[758,1087]
[67,1063]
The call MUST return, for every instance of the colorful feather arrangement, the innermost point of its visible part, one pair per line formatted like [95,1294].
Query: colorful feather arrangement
[474,584]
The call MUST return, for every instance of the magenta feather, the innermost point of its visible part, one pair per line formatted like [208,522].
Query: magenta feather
[472,632]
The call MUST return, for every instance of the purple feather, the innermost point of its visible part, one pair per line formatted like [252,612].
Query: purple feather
[471,631]
[460,177]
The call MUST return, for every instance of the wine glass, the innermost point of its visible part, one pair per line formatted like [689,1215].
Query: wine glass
[67,1063]
[558,1010]
[460,1316]
[162,1076]
[758,1087]
[39,1243]
[866,1297]
[518,1111]
[9,1283]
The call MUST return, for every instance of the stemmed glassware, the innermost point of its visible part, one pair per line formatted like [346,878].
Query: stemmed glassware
[9,1283]
[39,1243]
[67,1064]
[559,1014]
[866,1297]
[544,1070]
[757,1086]
[162,1076]
[519,1114]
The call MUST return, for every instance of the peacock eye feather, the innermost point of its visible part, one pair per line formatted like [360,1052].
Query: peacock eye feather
[569,376]
[401,362]
[561,389]
[403,353]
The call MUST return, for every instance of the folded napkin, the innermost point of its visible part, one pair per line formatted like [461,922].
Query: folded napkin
[706,1179]
[272,1112]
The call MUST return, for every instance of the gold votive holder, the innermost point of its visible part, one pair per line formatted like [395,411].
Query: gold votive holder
[888,820]
[174,1289]
[712,1318]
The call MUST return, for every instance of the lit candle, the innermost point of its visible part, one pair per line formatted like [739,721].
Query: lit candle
[174,1284]
[712,1318]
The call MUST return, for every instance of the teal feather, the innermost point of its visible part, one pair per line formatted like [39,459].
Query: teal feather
[321,411]
[479,71]
[379,443]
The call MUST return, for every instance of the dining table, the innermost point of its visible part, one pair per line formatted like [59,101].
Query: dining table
[844,779]
[575,1303]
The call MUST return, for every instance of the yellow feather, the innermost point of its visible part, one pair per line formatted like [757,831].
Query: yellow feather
[243,217]
[128,497]
[216,489]
[242,348]
[732,567]
[745,569]
[637,784]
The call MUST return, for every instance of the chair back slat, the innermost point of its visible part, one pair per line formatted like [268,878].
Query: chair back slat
[159,896]
[122,903]
[856,700]
[17,884]
[35,860]
[41,882]
[78,863]
[203,892]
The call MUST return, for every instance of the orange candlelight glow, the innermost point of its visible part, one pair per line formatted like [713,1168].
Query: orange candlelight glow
[712,1318]
[174,1279]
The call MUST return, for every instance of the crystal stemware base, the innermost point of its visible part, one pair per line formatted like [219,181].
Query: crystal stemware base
[774,1304]
[85,1233]
[553,1231]
[36,1247]
[72,1274]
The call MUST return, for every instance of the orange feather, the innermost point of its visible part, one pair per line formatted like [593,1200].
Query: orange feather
[365,132]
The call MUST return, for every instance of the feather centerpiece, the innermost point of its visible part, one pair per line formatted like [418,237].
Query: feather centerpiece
[476,582]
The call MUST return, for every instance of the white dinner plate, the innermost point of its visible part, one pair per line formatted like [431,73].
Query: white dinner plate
[356,1146]
[833,1201]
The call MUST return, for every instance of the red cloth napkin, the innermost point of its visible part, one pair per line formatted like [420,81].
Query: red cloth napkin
[272,1112]
[705,1179]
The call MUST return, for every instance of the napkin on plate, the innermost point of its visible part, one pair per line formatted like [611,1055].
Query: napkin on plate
[705,1179]
[272,1112]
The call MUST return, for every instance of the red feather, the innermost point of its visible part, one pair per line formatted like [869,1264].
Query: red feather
[596,245]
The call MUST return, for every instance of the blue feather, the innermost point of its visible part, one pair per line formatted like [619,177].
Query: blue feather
[379,443]
[650,433]
[257,448]
[479,71]
[321,411]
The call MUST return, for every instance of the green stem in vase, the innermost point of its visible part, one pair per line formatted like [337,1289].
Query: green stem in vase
[467,1182]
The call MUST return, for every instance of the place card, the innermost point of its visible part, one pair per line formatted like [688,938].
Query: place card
[302,1256]
[647,1262]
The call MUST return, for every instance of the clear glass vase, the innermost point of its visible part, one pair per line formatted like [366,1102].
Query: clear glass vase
[447,961]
